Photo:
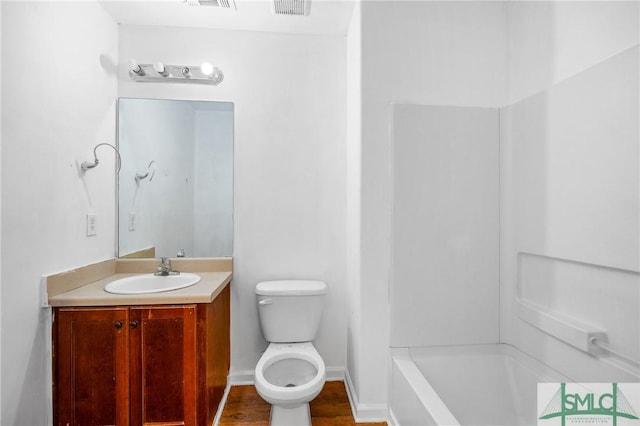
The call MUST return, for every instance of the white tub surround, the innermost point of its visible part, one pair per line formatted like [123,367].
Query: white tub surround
[445,225]
[466,385]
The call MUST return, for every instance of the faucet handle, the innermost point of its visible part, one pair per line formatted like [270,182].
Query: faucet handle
[165,267]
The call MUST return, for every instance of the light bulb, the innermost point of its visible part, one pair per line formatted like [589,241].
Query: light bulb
[135,68]
[216,75]
[160,69]
[206,68]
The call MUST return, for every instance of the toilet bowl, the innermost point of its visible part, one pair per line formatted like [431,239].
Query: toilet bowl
[291,372]
[288,376]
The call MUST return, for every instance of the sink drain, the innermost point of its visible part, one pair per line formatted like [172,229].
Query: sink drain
[290,385]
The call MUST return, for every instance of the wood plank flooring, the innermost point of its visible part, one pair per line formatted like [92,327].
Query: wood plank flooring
[331,408]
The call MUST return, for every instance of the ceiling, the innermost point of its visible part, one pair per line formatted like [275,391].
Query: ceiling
[327,17]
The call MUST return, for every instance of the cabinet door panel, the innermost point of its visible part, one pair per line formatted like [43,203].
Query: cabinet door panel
[215,356]
[92,372]
[163,354]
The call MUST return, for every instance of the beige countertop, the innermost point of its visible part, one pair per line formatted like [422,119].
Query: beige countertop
[85,286]
[210,285]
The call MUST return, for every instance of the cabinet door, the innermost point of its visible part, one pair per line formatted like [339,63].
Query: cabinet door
[92,368]
[214,318]
[163,365]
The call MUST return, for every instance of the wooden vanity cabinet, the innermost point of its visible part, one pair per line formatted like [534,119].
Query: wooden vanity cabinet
[91,366]
[141,365]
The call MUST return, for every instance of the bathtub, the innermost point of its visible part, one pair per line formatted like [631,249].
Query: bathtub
[466,385]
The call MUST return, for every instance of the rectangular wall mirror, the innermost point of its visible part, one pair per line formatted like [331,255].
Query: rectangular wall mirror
[175,188]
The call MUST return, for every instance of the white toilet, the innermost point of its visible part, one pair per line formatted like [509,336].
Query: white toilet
[290,373]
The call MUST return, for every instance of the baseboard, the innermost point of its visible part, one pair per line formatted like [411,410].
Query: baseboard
[223,401]
[393,420]
[364,412]
[243,377]
[335,373]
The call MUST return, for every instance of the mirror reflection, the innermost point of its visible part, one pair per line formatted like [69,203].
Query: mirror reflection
[175,188]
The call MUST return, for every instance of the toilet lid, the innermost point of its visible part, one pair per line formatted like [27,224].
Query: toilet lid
[291,288]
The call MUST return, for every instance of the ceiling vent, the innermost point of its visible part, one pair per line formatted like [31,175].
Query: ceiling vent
[291,7]
[224,4]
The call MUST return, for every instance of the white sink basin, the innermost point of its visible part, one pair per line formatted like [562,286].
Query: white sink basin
[149,283]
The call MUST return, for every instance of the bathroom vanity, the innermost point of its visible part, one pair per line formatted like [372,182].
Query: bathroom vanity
[159,358]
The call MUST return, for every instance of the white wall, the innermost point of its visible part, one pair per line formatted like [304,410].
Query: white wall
[570,176]
[58,102]
[353,152]
[289,153]
[553,40]
[0,214]
[431,53]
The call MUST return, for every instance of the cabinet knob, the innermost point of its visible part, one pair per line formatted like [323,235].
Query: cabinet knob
[117,324]
[133,324]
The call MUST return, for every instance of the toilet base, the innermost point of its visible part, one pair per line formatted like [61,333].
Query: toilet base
[283,416]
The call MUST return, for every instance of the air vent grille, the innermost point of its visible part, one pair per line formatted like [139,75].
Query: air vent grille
[291,7]
[224,4]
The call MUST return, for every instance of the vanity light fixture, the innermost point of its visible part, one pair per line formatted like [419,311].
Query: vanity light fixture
[161,69]
[159,72]
[213,73]
[135,68]
[86,165]
[206,68]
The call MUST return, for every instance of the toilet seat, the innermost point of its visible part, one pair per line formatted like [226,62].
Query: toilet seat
[283,395]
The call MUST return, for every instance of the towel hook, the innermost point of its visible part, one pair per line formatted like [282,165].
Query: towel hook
[86,165]
[151,168]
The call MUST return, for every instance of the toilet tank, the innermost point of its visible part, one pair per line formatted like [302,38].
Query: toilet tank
[290,310]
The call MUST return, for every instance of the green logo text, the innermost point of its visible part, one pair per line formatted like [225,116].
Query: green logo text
[565,404]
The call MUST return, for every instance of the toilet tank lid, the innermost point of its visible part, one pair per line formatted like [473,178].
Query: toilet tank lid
[291,288]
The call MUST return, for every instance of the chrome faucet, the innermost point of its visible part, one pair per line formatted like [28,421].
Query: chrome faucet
[164,268]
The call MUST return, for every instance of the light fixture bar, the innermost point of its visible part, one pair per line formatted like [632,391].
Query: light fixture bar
[163,73]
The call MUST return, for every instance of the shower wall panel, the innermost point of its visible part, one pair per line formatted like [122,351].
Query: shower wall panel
[569,219]
[444,275]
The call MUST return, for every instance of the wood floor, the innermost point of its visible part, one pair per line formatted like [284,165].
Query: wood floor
[331,408]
